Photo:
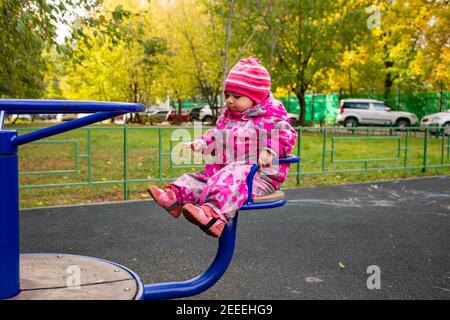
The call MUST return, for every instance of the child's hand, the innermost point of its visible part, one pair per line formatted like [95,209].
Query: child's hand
[194,146]
[265,159]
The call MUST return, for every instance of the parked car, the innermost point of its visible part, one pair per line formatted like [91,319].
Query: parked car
[160,114]
[46,117]
[67,116]
[436,122]
[203,114]
[184,116]
[26,117]
[355,112]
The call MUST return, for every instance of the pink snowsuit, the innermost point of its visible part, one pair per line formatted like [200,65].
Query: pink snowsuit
[236,142]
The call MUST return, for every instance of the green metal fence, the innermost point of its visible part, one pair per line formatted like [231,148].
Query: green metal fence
[129,155]
[323,109]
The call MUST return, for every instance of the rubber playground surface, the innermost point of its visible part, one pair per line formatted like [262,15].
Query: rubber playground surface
[324,244]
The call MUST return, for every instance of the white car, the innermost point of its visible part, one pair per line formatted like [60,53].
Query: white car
[437,121]
[354,112]
[203,114]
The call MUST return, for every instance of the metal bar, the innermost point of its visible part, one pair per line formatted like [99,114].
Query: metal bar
[425,150]
[362,160]
[324,149]
[2,119]
[365,138]
[9,226]
[63,127]
[443,147]
[448,146]
[30,106]
[250,177]
[30,173]
[170,162]
[160,153]
[299,144]
[76,157]
[187,167]
[174,290]
[125,163]
[263,205]
[406,147]
[332,149]
[89,150]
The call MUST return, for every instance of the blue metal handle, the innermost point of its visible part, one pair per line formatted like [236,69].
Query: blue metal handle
[251,175]
[102,111]
[32,106]
[289,159]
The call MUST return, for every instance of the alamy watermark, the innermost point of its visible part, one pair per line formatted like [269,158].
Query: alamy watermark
[374,20]
[374,280]
[73,281]
[223,146]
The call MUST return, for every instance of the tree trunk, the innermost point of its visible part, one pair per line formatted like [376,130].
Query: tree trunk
[388,80]
[301,98]
[227,40]
[180,103]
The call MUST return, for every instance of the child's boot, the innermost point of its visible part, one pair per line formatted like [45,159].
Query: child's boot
[204,217]
[167,199]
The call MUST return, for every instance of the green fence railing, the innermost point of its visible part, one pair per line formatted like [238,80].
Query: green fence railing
[129,155]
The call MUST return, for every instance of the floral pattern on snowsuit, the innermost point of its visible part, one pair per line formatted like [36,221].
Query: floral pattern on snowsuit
[235,143]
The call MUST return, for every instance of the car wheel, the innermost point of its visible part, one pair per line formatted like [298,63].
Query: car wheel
[207,119]
[350,122]
[446,127]
[294,122]
[402,123]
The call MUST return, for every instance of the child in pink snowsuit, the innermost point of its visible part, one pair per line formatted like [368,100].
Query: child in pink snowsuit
[254,128]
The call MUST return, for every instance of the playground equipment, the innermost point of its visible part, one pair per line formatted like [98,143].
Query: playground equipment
[55,276]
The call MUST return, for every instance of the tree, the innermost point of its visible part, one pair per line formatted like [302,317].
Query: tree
[27,30]
[119,64]
[310,38]
[408,45]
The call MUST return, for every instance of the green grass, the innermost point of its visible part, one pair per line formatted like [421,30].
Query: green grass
[107,149]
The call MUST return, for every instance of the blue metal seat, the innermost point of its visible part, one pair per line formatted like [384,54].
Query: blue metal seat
[271,201]
[173,290]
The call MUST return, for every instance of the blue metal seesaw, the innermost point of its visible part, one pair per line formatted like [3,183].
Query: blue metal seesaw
[51,276]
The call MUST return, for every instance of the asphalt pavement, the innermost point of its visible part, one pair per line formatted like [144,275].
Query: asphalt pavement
[378,240]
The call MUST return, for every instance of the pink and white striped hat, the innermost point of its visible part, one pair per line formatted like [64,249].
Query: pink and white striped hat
[249,78]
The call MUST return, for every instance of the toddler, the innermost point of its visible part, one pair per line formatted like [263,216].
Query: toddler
[253,128]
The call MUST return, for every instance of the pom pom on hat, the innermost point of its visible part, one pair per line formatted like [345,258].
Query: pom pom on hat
[249,78]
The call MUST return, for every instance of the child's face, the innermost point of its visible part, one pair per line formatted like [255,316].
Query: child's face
[238,102]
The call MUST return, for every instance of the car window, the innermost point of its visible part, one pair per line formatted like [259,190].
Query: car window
[356,105]
[379,106]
